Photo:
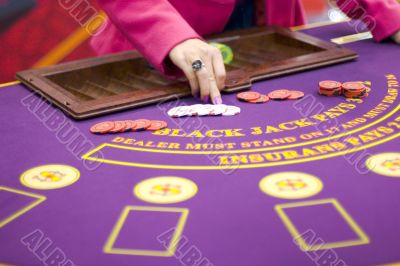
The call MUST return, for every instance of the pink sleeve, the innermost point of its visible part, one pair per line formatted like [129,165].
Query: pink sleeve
[153,27]
[381,16]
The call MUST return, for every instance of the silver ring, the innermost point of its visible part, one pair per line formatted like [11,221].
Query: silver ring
[197,65]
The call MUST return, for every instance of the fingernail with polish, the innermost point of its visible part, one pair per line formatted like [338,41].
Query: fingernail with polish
[205,99]
[217,100]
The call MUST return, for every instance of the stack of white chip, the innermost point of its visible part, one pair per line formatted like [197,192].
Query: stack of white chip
[204,110]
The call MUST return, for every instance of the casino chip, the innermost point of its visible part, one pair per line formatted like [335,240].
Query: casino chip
[226,52]
[231,110]
[248,96]
[204,110]
[218,109]
[120,126]
[178,111]
[193,109]
[353,86]
[295,95]
[127,125]
[141,124]
[279,94]
[157,125]
[103,127]
[262,99]
[352,89]
[130,125]
[329,85]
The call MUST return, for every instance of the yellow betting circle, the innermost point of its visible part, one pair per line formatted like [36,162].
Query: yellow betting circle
[269,186]
[144,190]
[387,164]
[30,178]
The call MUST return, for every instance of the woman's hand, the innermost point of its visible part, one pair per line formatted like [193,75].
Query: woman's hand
[396,37]
[209,80]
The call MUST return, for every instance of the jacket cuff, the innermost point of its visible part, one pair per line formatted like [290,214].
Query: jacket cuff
[387,23]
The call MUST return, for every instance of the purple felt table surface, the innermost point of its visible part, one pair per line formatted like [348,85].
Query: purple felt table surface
[230,220]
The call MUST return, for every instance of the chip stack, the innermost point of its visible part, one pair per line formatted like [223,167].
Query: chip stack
[277,95]
[351,89]
[127,125]
[330,88]
[354,90]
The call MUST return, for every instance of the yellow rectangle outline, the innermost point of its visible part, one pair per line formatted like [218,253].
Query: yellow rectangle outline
[169,252]
[363,238]
[39,199]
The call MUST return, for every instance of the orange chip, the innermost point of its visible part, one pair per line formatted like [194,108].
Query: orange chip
[279,94]
[329,84]
[353,86]
[262,99]
[141,124]
[102,128]
[295,95]
[248,96]
[119,127]
[157,125]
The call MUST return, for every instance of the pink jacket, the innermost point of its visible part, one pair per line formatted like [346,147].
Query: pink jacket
[154,27]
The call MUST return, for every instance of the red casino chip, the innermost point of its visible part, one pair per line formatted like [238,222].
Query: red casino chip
[295,95]
[157,125]
[103,127]
[130,125]
[279,94]
[329,84]
[331,93]
[353,86]
[141,124]
[248,96]
[119,127]
[262,99]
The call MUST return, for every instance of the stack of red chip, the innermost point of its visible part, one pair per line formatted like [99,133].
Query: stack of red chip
[330,88]
[352,89]
[279,95]
[127,125]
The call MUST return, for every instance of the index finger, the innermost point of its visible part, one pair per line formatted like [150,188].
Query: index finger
[219,69]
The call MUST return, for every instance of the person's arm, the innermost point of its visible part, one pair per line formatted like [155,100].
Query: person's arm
[381,16]
[159,32]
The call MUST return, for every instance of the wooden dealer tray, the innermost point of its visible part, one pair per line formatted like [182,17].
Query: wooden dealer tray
[96,86]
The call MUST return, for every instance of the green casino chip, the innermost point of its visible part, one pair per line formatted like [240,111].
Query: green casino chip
[226,51]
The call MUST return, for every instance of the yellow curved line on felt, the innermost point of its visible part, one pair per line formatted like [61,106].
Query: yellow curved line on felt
[66,47]
[188,167]
[260,149]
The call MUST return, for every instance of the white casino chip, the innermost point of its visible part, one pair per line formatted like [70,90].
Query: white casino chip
[178,111]
[231,110]
[218,109]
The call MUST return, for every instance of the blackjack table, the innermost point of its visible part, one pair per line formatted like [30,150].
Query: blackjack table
[313,181]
